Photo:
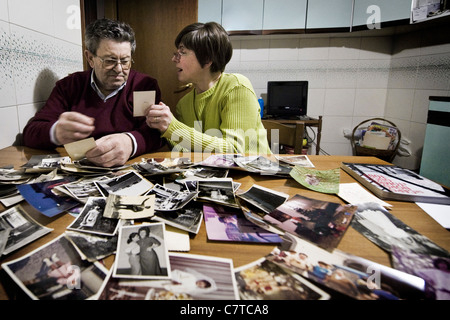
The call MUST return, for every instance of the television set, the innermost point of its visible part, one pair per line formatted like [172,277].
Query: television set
[286,99]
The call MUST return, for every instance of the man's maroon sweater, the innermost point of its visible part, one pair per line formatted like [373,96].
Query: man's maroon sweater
[115,115]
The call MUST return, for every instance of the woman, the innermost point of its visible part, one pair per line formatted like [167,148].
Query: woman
[221,114]
[133,250]
[149,259]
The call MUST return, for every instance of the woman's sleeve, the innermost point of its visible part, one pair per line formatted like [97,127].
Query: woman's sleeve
[239,112]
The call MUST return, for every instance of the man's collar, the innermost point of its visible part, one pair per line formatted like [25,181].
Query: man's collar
[99,92]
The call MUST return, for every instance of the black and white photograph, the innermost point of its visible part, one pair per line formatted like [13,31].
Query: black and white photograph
[91,219]
[188,218]
[296,160]
[142,252]
[92,247]
[22,229]
[56,271]
[263,165]
[263,198]
[167,199]
[129,207]
[203,172]
[43,163]
[219,191]
[85,187]
[125,183]
[156,166]
[193,277]
[385,230]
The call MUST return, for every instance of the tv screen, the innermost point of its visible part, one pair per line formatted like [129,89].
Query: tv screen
[286,98]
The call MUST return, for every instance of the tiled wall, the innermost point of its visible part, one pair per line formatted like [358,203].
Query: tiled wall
[354,77]
[40,42]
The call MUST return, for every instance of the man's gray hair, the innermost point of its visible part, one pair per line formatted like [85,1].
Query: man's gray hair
[108,29]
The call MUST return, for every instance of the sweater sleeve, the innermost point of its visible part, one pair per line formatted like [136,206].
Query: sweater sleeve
[36,133]
[239,116]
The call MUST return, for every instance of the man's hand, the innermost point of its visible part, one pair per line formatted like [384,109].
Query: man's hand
[73,126]
[112,150]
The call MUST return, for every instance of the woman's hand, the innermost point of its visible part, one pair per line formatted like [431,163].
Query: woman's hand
[159,116]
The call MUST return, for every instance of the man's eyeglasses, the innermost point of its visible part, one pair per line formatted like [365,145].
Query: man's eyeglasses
[109,64]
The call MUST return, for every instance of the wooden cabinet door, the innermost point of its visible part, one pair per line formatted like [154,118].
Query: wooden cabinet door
[156,24]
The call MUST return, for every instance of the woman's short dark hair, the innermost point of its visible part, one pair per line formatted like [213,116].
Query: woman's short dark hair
[108,29]
[210,43]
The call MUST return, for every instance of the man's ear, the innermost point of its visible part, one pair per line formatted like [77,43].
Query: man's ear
[89,57]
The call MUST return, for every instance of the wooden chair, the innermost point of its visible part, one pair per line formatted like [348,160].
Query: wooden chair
[280,134]
[386,155]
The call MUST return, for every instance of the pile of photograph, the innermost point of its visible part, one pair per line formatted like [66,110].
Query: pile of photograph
[144,214]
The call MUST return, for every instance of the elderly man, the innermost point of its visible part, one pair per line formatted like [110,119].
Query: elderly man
[99,102]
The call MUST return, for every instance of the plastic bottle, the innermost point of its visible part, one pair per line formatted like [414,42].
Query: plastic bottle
[261,103]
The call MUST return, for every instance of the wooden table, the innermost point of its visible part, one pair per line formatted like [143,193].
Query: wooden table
[353,242]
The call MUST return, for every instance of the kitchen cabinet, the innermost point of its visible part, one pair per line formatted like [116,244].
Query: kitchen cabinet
[210,10]
[284,15]
[240,15]
[325,14]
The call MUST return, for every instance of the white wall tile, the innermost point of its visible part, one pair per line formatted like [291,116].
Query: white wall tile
[333,128]
[7,90]
[283,49]
[316,102]
[403,73]
[342,73]
[314,49]
[376,48]
[9,125]
[4,10]
[255,50]
[373,73]
[32,14]
[339,102]
[370,102]
[399,104]
[345,48]
[433,72]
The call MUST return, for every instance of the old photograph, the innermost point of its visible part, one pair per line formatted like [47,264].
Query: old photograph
[263,198]
[91,219]
[219,191]
[193,277]
[125,183]
[264,280]
[188,218]
[22,229]
[167,199]
[56,271]
[142,252]
[321,222]
[129,207]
